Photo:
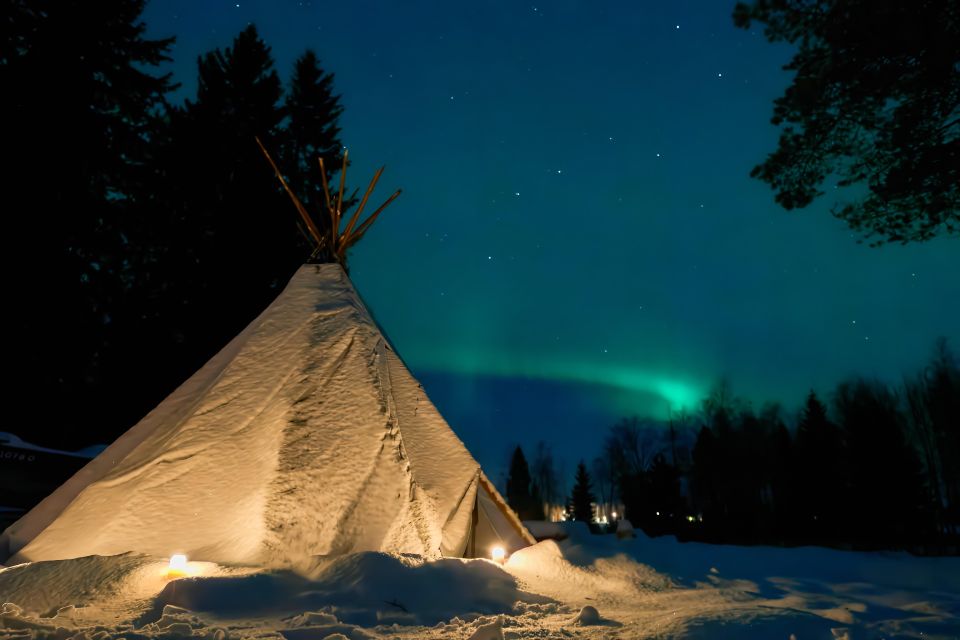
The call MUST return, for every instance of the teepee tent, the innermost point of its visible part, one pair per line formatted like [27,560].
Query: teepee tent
[306,435]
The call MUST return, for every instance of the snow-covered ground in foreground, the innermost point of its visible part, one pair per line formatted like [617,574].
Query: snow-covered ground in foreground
[639,588]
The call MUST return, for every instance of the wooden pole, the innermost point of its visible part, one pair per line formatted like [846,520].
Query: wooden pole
[356,214]
[343,180]
[362,229]
[311,225]
[326,187]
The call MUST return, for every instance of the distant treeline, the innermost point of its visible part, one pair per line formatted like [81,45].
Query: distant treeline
[141,235]
[868,467]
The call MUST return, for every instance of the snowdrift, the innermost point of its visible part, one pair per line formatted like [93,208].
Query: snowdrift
[586,586]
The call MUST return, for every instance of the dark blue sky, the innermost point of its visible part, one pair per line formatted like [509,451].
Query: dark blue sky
[578,236]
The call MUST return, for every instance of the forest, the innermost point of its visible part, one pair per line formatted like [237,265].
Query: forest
[146,232]
[870,466]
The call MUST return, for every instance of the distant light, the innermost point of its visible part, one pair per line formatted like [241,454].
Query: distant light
[498,554]
[178,565]
[614,514]
[689,518]
[658,513]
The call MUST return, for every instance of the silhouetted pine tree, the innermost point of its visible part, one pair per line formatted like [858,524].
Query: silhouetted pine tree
[582,498]
[520,492]
[783,483]
[238,98]
[821,475]
[79,113]
[933,403]
[665,500]
[887,501]
[232,239]
[224,236]
[704,478]
[942,399]
[312,131]
[721,476]
[748,453]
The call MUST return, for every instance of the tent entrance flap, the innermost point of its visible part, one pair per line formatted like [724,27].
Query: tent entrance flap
[493,529]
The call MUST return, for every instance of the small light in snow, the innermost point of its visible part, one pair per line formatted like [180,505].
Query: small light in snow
[178,565]
[499,554]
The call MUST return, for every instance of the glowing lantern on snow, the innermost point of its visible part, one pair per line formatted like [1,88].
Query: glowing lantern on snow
[499,554]
[178,565]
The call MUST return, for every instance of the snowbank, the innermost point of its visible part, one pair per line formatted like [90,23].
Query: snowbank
[587,587]
[363,588]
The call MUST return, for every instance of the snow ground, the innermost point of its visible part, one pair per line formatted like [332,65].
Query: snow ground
[641,588]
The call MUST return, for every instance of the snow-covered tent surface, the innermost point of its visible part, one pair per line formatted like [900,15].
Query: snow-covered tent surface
[306,435]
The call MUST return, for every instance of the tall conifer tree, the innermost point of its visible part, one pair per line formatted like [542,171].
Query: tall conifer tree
[80,99]
[582,498]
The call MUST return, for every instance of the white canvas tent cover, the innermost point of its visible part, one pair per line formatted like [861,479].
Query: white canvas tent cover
[306,435]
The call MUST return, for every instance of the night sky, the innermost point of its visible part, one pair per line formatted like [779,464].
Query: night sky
[579,238]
